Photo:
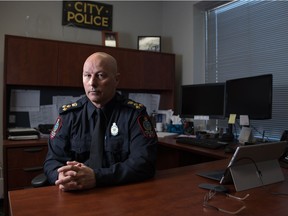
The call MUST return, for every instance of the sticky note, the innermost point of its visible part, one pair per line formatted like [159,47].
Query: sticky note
[232,119]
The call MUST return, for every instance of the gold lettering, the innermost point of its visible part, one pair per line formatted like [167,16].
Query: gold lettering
[105,21]
[96,22]
[78,6]
[70,16]
[79,18]
[90,7]
[88,19]
[85,7]
[99,9]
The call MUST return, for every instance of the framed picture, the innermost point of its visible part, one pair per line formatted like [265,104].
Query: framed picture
[110,39]
[150,43]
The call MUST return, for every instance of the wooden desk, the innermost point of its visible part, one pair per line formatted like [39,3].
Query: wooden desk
[171,192]
[172,154]
[211,153]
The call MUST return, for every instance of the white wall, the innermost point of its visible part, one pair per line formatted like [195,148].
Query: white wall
[173,20]
[183,25]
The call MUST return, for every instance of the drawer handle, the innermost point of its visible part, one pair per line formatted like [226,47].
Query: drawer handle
[35,149]
[31,169]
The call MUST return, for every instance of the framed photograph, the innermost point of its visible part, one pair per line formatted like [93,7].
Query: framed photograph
[110,39]
[149,43]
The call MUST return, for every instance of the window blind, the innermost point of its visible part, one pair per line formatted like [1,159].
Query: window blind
[249,38]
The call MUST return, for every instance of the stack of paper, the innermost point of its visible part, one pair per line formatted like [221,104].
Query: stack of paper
[22,133]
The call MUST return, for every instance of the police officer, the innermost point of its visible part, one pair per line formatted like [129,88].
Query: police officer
[128,151]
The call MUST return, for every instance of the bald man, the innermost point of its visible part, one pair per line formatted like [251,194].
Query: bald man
[129,147]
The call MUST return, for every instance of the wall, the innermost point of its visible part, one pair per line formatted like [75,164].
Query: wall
[173,20]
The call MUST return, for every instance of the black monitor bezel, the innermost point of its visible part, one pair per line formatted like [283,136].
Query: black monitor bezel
[203,85]
[244,81]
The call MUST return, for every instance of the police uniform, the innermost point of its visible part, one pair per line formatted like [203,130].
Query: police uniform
[130,145]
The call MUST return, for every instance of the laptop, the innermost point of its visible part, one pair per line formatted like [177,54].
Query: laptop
[251,166]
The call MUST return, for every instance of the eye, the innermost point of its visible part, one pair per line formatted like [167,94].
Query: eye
[100,76]
[86,75]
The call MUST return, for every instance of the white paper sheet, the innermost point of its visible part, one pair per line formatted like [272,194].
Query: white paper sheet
[46,115]
[24,100]
[150,101]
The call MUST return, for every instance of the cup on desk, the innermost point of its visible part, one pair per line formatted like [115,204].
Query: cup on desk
[159,126]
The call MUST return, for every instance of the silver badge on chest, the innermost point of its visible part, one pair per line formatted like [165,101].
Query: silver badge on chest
[114,129]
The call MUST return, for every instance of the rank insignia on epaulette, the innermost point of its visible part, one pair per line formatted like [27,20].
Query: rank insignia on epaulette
[66,107]
[56,127]
[135,104]
[146,126]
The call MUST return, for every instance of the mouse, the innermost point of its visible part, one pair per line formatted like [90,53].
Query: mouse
[229,149]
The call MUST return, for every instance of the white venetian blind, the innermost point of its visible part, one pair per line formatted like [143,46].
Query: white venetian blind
[247,38]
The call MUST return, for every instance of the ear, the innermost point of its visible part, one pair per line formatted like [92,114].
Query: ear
[117,78]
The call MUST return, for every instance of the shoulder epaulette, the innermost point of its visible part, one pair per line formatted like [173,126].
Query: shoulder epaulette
[134,104]
[71,106]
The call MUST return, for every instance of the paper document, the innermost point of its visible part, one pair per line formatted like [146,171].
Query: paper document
[150,101]
[46,115]
[24,100]
[165,134]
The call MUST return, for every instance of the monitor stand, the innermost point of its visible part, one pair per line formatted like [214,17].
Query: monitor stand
[245,176]
[228,136]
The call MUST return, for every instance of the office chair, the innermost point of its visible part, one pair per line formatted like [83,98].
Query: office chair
[40,181]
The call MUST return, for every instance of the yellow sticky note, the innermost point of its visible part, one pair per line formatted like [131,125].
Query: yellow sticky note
[232,119]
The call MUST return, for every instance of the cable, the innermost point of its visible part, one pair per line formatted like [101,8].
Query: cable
[262,134]
[258,171]
[259,174]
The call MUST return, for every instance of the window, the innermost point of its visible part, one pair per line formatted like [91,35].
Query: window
[249,38]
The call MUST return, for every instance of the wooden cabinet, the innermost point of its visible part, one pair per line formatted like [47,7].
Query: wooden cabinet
[30,62]
[70,65]
[40,62]
[22,160]
[139,70]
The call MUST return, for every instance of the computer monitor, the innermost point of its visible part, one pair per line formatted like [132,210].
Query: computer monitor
[250,96]
[203,100]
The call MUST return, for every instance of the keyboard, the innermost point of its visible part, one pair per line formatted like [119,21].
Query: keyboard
[205,143]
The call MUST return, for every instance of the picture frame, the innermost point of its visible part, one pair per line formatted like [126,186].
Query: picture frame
[149,43]
[110,39]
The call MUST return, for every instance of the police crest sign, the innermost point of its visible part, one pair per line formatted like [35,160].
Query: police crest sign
[87,14]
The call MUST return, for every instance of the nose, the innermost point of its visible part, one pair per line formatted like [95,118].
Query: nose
[93,81]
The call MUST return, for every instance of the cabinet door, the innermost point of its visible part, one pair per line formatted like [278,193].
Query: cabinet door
[142,70]
[30,61]
[23,164]
[158,71]
[70,65]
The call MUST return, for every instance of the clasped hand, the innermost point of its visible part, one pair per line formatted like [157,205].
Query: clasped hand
[75,176]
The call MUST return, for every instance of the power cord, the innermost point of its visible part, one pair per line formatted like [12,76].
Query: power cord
[258,171]
[262,134]
[259,174]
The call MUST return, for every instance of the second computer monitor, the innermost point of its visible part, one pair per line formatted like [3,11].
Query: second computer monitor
[250,96]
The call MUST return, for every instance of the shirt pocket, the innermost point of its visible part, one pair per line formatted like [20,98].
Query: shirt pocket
[80,149]
[116,150]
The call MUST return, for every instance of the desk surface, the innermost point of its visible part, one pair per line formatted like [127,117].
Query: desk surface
[171,192]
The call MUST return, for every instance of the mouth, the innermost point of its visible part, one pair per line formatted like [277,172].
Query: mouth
[97,92]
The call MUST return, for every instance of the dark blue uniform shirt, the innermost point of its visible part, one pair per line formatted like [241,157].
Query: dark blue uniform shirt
[130,146]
